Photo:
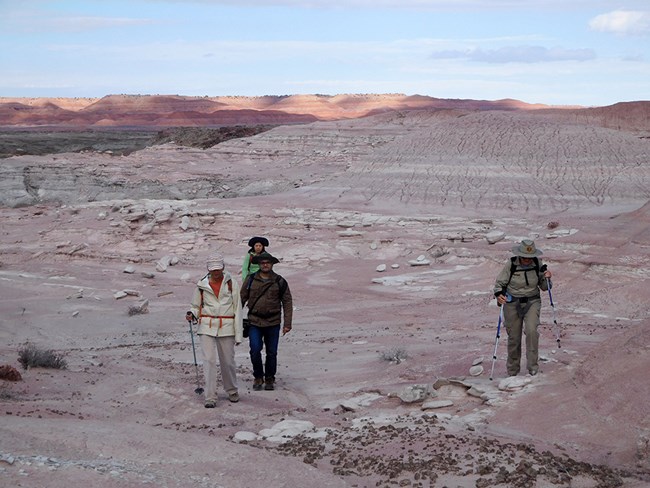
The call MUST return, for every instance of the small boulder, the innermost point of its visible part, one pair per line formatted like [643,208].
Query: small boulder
[9,373]
[476,370]
[495,236]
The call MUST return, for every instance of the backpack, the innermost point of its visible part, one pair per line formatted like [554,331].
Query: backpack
[513,269]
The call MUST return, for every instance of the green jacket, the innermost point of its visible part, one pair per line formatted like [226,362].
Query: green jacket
[247,267]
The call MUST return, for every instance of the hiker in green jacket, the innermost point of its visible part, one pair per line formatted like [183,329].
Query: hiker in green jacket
[257,246]
[517,290]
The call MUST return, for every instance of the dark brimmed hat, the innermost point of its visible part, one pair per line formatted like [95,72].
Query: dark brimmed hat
[265,256]
[262,240]
[526,249]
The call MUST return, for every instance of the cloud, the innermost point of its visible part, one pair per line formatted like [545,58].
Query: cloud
[40,21]
[623,22]
[518,54]
[92,23]
[417,4]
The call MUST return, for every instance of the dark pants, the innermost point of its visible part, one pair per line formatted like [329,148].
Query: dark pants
[268,337]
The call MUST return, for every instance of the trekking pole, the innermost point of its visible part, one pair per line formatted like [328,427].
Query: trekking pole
[198,389]
[550,297]
[557,327]
[496,342]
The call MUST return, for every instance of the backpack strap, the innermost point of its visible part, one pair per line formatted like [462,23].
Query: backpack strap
[282,285]
[513,269]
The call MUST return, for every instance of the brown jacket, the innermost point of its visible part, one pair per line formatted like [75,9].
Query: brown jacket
[269,299]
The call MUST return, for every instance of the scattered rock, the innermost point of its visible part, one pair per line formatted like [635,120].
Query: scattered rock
[9,373]
[147,228]
[139,308]
[420,261]
[513,383]
[350,233]
[79,294]
[381,268]
[185,222]
[437,251]
[436,404]
[413,393]
[495,236]
[129,270]
[163,214]
[285,430]
[119,294]
[244,436]
[476,370]
[135,216]
[163,263]
[440,382]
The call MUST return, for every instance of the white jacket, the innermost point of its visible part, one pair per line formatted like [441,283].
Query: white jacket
[218,316]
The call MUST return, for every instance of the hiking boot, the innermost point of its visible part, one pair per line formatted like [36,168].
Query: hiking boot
[258,384]
[210,404]
[233,397]
[269,384]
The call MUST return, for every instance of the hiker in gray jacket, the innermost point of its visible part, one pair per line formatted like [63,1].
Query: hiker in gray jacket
[517,290]
[268,297]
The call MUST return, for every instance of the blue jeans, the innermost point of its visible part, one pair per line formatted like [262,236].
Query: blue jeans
[259,337]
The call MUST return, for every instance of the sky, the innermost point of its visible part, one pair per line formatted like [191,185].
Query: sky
[556,52]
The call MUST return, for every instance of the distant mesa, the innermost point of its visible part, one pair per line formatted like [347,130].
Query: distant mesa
[176,110]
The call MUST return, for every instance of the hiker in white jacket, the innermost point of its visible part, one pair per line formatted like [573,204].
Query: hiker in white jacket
[217,308]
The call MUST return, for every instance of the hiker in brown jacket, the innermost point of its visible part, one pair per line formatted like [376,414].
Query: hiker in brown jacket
[268,297]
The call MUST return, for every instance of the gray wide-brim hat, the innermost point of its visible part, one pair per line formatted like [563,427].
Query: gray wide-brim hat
[264,256]
[526,249]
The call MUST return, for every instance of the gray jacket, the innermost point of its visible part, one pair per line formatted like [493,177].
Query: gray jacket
[525,282]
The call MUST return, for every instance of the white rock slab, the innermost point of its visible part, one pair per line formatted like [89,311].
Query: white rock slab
[495,236]
[436,404]
[245,436]
[513,383]
[285,430]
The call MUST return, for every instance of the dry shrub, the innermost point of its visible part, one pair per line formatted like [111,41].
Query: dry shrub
[396,355]
[32,356]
